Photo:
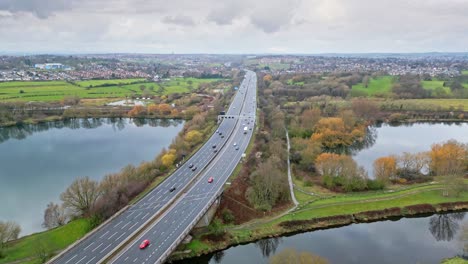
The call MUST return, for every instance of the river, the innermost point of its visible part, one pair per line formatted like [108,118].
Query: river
[38,162]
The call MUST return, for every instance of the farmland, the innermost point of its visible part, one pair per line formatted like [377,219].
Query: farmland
[48,91]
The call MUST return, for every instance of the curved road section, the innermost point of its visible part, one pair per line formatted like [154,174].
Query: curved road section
[175,224]
[101,243]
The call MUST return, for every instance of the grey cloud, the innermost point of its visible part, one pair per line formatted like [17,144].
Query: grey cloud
[40,8]
[179,20]
[227,12]
[274,15]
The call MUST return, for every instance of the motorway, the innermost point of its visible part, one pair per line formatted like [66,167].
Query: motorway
[100,244]
[175,224]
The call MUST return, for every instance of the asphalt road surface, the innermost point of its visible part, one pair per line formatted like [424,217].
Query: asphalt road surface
[174,225]
[100,244]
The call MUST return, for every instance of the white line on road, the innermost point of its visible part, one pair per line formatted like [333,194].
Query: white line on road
[104,234]
[91,260]
[97,247]
[80,260]
[88,246]
[71,259]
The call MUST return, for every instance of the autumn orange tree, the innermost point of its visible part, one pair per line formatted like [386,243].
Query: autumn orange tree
[164,109]
[449,160]
[137,110]
[333,133]
[385,168]
[153,109]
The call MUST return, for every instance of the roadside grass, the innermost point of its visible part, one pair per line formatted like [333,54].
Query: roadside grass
[465,72]
[377,86]
[51,241]
[48,91]
[95,83]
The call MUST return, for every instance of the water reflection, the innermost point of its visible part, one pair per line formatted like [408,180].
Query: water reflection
[268,246]
[37,162]
[444,227]
[408,240]
[22,131]
[385,140]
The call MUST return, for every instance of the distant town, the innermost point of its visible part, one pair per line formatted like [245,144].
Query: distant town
[149,66]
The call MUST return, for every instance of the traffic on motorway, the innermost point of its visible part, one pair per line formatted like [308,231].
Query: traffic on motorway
[175,224]
[100,244]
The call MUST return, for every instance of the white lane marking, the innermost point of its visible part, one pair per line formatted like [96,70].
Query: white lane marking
[121,235]
[91,260]
[97,247]
[135,259]
[80,260]
[133,226]
[104,234]
[112,235]
[145,216]
[126,258]
[131,214]
[138,214]
[88,246]
[125,225]
[71,259]
[118,223]
[105,248]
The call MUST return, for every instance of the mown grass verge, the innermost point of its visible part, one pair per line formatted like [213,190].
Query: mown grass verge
[48,241]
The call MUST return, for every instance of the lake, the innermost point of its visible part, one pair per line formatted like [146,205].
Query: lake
[408,240]
[38,162]
[394,140]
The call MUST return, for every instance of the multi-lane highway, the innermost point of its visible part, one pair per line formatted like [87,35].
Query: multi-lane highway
[100,244]
[166,233]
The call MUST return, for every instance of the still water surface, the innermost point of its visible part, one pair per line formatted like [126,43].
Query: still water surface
[38,162]
[408,240]
[394,140]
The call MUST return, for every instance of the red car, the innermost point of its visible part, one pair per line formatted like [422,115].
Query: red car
[144,244]
[210,180]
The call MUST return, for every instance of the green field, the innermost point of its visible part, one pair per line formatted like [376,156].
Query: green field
[377,86]
[465,72]
[94,83]
[56,90]
[434,84]
[49,241]
[430,104]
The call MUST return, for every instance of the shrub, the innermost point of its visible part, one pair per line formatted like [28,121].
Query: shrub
[228,216]
[375,185]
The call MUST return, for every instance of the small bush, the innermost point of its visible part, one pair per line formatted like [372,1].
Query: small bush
[228,216]
[375,185]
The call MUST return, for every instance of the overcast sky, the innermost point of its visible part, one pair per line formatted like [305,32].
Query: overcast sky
[233,26]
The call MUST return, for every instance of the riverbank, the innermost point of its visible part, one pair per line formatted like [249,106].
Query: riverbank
[323,213]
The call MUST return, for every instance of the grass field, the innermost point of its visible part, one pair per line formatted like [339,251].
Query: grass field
[465,72]
[50,241]
[94,83]
[430,104]
[434,84]
[381,85]
[56,90]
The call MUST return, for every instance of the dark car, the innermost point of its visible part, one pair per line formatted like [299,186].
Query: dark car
[191,165]
[194,168]
[214,146]
[215,150]
[172,189]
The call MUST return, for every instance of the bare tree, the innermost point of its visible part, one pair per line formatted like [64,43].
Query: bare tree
[54,216]
[81,195]
[8,231]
